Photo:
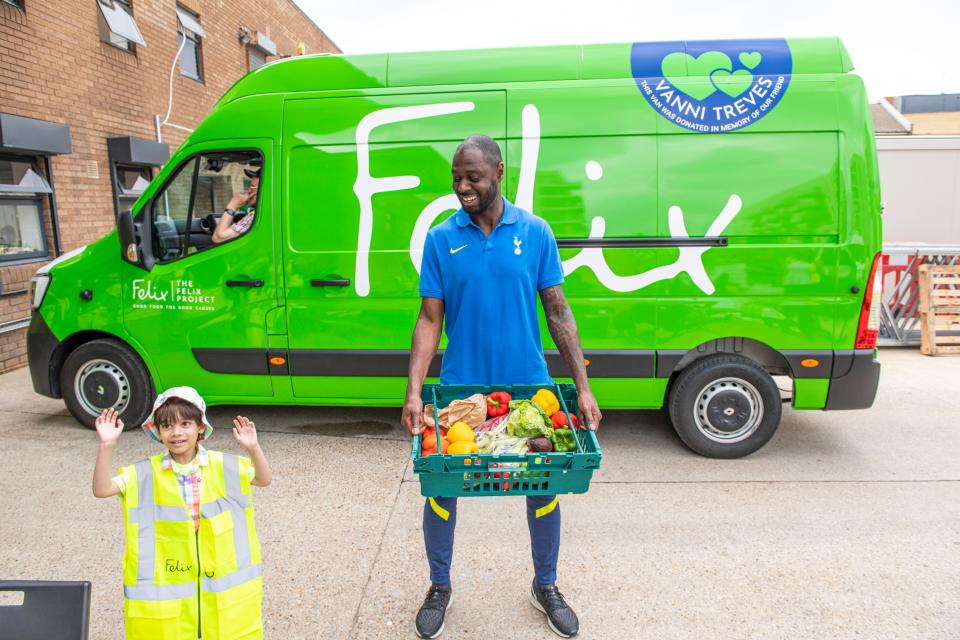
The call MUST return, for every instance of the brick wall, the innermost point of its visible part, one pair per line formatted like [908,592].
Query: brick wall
[55,68]
[935,123]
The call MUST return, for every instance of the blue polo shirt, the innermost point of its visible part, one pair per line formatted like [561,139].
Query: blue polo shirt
[489,288]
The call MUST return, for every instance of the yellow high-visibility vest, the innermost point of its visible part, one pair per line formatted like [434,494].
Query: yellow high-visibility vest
[179,582]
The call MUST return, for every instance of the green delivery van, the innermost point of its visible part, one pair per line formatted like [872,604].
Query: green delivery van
[716,205]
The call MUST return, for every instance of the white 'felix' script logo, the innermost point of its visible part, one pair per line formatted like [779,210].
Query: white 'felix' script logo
[690,260]
[148,291]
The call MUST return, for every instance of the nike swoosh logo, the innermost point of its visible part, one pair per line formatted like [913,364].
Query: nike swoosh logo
[453,251]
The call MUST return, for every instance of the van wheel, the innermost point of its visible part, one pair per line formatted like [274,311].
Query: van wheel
[725,406]
[106,373]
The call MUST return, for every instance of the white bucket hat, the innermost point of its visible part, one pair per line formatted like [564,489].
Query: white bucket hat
[184,393]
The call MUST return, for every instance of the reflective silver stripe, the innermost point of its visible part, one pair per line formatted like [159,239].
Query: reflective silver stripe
[155,592]
[160,512]
[235,497]
[220,505]
[146,532]
[238,577]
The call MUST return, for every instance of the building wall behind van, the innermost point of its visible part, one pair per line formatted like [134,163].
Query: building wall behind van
[920,184]
[56,68]
[935,123]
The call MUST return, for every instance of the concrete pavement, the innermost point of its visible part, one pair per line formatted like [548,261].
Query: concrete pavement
[846,525]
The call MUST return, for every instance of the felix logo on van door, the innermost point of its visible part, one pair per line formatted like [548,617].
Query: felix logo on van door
[177,295]
[712,86]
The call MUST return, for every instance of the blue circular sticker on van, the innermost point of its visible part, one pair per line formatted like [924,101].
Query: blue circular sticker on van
[712,86]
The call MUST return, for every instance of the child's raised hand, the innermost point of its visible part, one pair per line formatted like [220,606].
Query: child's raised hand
[109,426]
[245,432]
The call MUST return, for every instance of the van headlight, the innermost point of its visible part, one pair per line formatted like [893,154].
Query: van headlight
[38,288]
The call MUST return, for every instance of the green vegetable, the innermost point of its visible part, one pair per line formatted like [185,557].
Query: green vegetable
[527,420]
[563,440]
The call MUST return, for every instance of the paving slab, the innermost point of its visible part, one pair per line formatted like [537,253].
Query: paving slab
[18,395]
[846,525]
[718,560]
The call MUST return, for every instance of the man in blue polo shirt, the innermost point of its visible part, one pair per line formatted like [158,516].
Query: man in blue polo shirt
[482,270]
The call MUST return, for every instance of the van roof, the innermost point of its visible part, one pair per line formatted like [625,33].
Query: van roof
[327,72]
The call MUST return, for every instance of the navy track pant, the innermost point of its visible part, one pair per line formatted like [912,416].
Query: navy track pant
[543,519]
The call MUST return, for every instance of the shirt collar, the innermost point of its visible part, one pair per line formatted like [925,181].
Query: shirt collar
[509,215]
[166,463]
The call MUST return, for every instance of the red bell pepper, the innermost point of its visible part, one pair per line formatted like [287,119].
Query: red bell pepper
[498,403]
[559,420]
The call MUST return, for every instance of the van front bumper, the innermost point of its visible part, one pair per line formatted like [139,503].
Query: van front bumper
[41,345]
[856,376]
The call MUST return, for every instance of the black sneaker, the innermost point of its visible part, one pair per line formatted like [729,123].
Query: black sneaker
[561,618]
[429,622]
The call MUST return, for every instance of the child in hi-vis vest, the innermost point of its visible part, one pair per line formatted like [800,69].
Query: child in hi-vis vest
[192,563]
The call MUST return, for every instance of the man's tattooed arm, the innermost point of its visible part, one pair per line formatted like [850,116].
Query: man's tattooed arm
[563,329]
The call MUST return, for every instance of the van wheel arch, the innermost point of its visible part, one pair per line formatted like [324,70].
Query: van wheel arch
[65,348]
[719,356]
[761,353]
[120,363]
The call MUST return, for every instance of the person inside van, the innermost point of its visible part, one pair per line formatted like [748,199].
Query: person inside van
[235,222]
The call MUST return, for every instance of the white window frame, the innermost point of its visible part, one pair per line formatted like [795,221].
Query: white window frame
[188,28]
[27,192]
[119,22]
[189,22]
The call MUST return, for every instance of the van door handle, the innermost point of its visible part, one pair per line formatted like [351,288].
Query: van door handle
[244,283]
[329,283]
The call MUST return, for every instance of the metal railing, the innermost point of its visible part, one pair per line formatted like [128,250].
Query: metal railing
[900,313]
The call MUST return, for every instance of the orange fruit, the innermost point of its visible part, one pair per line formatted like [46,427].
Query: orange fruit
[429,444]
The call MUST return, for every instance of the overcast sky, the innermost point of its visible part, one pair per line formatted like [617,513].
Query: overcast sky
[898,48]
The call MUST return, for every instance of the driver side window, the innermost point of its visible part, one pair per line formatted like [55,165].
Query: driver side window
[211,200]
[170,213]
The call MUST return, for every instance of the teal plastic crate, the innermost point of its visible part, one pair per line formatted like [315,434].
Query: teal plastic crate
[493,474]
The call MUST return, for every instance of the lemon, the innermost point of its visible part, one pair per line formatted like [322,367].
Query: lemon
[459,432]
[462,447]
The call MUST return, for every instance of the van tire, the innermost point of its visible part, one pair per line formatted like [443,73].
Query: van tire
[725,406]
[103,373]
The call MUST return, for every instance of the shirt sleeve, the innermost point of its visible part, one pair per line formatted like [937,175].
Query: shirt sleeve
[252,472]
[244,224]
[123,476]
[431,282]
[551,271]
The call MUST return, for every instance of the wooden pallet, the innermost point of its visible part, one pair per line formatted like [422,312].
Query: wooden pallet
[939,310]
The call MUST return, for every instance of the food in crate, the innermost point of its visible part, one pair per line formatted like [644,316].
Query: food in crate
[535,425]
[472,410]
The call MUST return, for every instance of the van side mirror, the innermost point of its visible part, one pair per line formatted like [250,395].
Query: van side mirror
[129,247]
